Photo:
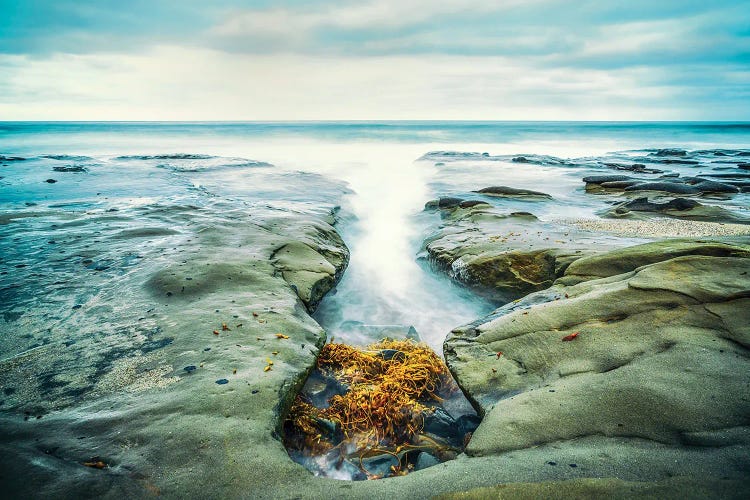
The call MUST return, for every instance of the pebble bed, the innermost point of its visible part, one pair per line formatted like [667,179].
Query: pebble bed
[659,228]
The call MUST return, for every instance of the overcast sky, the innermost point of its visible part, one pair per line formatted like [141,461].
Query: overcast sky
[387,59]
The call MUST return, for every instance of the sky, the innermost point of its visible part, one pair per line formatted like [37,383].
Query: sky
[375,60]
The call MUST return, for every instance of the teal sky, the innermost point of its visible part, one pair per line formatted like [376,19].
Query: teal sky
[388,59]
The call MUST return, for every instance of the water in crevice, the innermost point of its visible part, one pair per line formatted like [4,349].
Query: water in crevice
[387,293]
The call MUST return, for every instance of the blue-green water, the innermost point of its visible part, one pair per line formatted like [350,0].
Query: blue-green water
[23,135]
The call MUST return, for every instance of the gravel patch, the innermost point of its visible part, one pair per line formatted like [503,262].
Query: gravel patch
[659,228]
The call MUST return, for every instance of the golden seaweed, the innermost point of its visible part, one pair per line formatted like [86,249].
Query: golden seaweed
[390,386]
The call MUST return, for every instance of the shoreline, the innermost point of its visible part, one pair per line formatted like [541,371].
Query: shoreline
[139,372]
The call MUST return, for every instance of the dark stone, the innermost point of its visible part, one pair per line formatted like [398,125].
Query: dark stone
[671,161]
[716,187]
[551,463]
[670,152]
[444,202]
[440,423]
[190,368]
[380,465]
[468,423]
[635,167]
[667,187]
[643,205]
[509,191]
[520,159]
[77,306]
[222,381]
[735,176]
[329,429]
[598,179]
[470,203]
[619,184]
[320,388]
[70,168]
[425,460]
[50,181]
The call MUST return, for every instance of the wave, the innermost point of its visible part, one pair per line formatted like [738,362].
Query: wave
[170,156]
[67,157]
[450,156]
[205,168]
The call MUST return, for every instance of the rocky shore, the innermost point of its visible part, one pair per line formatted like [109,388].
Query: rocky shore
[615,365]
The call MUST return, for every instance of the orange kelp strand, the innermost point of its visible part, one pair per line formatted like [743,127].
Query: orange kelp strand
[390,384]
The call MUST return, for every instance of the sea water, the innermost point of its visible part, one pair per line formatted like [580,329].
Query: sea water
[375,174]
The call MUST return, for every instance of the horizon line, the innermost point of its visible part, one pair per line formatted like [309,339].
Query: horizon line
[738,122]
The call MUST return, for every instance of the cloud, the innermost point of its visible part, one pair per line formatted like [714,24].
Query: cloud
[177,83]
[389,59]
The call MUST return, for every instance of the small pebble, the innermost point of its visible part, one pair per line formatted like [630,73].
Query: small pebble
[77,306]
[222,381]
[190,368]
[207,349]
[573,465]
[255,391]
[552,463]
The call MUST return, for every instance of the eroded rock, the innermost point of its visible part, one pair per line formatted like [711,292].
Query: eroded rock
[657,351]
[505,191]
[503,256]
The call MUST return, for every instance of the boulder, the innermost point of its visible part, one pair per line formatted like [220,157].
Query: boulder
[716,187]
[682,208]
[504,256]
[314,266]
[627,259]
[598,179]
[380,465]
[667,187]
[655,352]
[669,152]
[505,191]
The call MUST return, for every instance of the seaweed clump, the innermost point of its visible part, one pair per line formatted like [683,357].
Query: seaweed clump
[370,421]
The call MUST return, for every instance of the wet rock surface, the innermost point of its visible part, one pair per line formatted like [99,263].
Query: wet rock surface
[684,208]
[656,350]
[501,255]
[512,192]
